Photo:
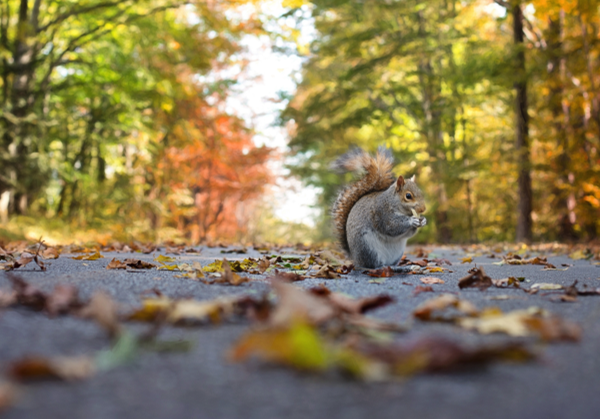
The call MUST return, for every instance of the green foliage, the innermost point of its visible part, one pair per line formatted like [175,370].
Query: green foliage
[433,81]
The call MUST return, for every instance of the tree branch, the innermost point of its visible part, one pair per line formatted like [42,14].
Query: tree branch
[75,11]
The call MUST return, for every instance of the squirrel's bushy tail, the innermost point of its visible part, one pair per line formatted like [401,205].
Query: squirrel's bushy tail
[377,176]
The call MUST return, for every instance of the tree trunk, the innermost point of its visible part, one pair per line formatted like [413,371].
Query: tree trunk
[562,131]
[15,172]
[524,223]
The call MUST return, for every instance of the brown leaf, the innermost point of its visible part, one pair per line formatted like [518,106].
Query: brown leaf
[129,263]
[63,299]
[186,311]
[263,264]
[511,281]
[94,256]
[8,395]
[288,276]
[64,368]
[358,306]
[7,298]
[27,294]
[431,353]
[299,305]
[103,310]
[477,278]
[431,280]
[427,309]
[50,253]
[532,321]
[419,289]
[327,272]
[381,272]
[116,264]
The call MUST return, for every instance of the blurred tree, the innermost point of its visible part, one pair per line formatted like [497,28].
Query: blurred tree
[507,148]
[407,74]
[92,92]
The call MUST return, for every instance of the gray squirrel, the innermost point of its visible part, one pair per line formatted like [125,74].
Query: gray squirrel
[377,214]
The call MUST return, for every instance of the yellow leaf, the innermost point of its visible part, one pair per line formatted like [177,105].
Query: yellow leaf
[299,346]
[164,259]
[94,256]
[467,260]
[546,286]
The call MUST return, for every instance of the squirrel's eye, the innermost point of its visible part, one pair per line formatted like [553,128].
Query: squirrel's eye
[409,196]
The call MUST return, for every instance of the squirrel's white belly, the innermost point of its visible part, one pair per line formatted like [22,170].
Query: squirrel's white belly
[389,249]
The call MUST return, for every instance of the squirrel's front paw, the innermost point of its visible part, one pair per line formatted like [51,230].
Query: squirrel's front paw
[423,221]
[415,222]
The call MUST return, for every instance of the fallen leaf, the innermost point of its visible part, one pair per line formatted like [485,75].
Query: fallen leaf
[116,264]
[50,253]
[164,259]
[378,281]
[298,305]
[288,276]
[419,289]
[432,354]
[228,276]
[62,300]
[511,281]
[7,298]
[8,395]
[263,264]
[94,256]
[477,278]
[533,321]
[104,311]
[326,272]
[427,309]
[381,272]
[64,368]
[129,263]
[466,260]
[239,250]
[580,254]
[186,311]
[546,286]
[431,280]
[298,345]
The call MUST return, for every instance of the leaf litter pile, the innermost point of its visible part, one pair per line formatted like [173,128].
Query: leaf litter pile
[311,329]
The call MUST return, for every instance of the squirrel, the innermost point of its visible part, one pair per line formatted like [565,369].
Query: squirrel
[376,215]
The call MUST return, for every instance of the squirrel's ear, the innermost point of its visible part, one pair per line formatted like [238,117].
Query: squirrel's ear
[413,178]
[399,183]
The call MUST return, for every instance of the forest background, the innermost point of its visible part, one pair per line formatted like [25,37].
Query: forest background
[114,121]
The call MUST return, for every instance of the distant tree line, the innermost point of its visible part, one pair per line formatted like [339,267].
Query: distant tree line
[494,105]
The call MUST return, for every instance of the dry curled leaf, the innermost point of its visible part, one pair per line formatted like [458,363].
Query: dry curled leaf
[7,298]
[227,277]
[431,280]
[533,321]
[288,276]
[8,395]
[94,256]
[63,368]
[385,272]
[435,306]
[104,311]
[419,289]
[477,278]
[327,272]
[50,253]
[129,263]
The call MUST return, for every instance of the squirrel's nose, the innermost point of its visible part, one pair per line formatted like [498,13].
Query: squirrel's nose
[421,208]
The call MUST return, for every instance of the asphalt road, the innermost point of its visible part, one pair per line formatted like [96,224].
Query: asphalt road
[201,383]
